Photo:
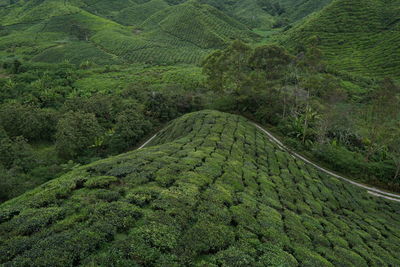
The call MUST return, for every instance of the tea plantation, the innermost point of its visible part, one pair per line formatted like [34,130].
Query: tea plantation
[210,190]
[116,32]
[362,37]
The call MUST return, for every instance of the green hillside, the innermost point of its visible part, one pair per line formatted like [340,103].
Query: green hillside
[210,190]
[135,31]
[54,30]
[264,14]
[137,14]
[115,32]
[295,10]
[361,37]
[201,25]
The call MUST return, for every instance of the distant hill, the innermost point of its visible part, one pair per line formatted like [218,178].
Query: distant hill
[362,37]
[265,14]
[210,190]
[297,9]
[108,32]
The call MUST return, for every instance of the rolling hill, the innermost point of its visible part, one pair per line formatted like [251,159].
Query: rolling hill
[209,190]
[136,31]
[295,10]
[264,14]
[361,37]
[116,32]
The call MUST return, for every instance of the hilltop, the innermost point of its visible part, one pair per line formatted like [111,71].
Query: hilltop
[362,37]
[265,14]
[210,189]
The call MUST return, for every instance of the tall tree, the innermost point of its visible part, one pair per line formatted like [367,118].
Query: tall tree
[131,126]
[379,116]
[227,70]
[76,132]
[271,59]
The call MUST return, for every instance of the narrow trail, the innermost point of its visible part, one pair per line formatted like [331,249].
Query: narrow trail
[371,190]
[148,141]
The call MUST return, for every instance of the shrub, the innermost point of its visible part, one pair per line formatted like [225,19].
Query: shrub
[234,257]
[275,256]
[27,223]
[130,127]
[306,257]
[17,153]
[28,121]
[343,160]
[100,181]
[205,237]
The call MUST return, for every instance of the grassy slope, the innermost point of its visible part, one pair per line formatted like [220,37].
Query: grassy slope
[252,14]
[55,30]
[131,31]
[52,31]
[262,14]
[184,33]
[138,14]
[296,10]
[211,189]
[362,37]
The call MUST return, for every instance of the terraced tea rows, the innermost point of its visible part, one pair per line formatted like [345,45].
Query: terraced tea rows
[139,13]
[210,190]
[52,30]
[362,37]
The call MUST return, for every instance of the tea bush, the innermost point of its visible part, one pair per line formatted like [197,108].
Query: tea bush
[199,195]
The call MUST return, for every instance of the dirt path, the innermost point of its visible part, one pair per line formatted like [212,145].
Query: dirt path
[371,190]
[148,141]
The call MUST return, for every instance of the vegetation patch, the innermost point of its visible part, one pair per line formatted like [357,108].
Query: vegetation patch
[181,202]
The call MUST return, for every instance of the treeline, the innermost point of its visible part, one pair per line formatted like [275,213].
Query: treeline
[48,125]
[353,131]
[45,130]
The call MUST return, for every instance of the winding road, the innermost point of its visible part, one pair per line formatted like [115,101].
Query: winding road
[371,190]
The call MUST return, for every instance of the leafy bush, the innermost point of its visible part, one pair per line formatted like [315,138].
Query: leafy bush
[100,181]
[30,122]
[353,163]
[76,132]
[130,127]
[181,203]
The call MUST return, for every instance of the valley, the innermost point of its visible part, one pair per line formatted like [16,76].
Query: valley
[199,133]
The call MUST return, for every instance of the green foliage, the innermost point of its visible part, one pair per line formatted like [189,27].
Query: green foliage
[130,126]
[226,70]
[271,60]
[76,132]
[310,107]
[15,153]
[368,47]
[127,102]
[30,122]
[160,32]
[353,163]
[100,182]
[212,190]
[202,193]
